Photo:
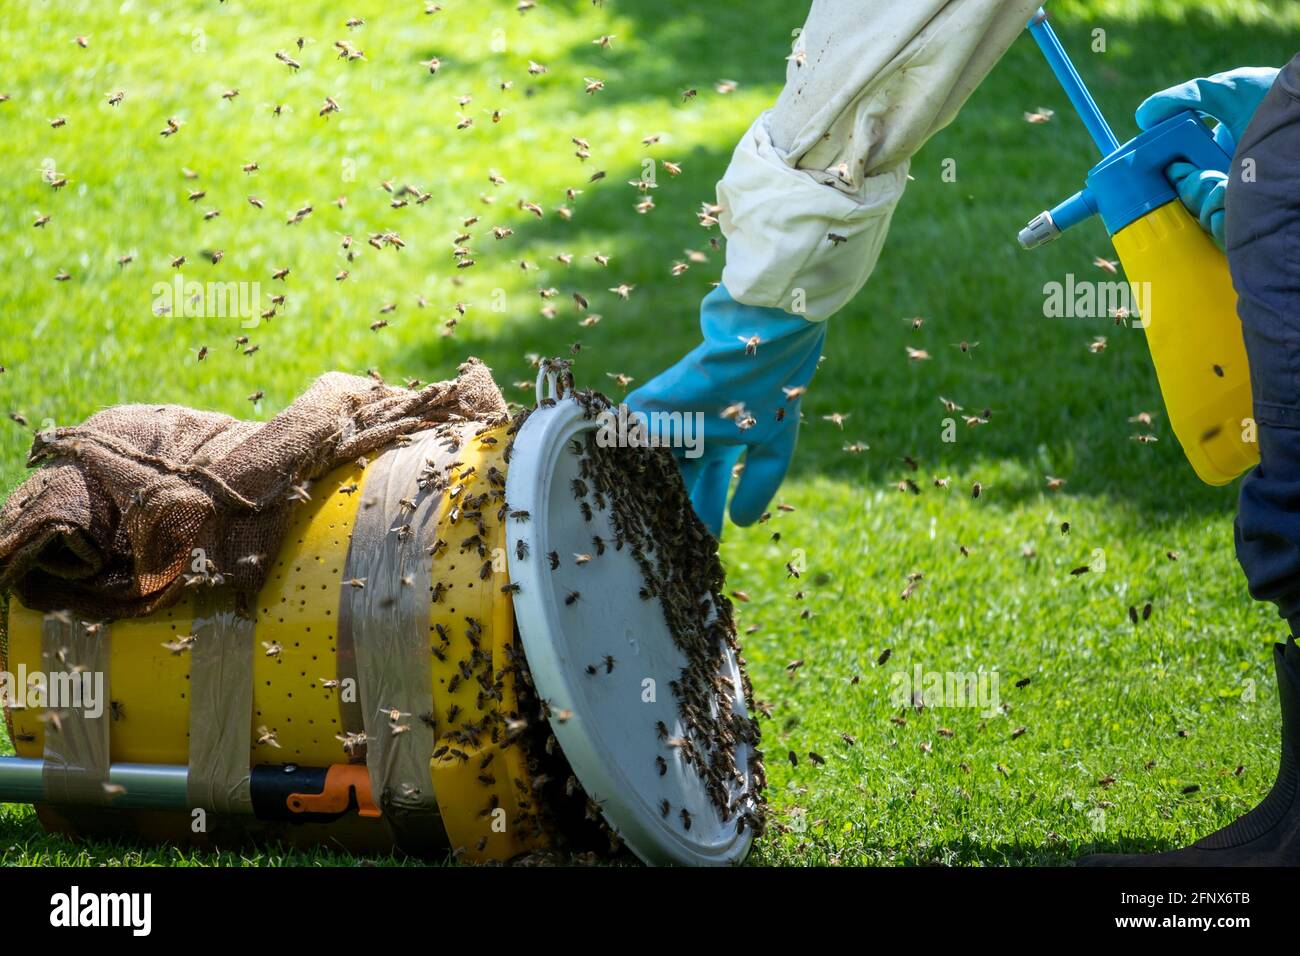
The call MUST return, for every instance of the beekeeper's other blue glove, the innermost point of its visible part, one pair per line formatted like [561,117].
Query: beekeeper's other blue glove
[753,364]
[1231,98]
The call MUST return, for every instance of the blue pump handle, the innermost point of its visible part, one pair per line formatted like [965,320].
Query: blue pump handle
[1131,181]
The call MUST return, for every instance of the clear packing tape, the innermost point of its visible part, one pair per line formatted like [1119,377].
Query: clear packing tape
[221,705]
[75,657]
[384,608]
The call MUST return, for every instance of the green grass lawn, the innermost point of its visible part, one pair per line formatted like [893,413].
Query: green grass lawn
[1183,699]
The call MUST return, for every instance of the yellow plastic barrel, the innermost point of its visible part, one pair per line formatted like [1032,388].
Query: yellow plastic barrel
[1195,339]
[300,667]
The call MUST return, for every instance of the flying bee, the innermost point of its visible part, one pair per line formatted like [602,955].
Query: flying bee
[180,645]
[572,598]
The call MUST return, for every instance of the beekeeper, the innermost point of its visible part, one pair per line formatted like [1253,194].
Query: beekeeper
[1253,213]
[806,205]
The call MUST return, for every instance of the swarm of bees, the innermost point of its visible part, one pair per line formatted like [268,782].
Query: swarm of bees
[643,492]
[654,519]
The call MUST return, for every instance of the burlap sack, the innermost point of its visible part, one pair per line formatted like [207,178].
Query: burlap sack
[109,525]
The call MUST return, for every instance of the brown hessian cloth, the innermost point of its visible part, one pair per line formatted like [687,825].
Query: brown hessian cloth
[109,524]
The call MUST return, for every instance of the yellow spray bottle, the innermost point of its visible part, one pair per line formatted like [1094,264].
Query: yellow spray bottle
[1189,308]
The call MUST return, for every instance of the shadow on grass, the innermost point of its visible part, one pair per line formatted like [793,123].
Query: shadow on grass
[1057,407]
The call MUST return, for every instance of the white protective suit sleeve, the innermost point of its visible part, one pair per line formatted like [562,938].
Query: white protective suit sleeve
[868,83]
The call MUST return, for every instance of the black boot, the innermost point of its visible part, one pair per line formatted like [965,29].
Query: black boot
[1269,835]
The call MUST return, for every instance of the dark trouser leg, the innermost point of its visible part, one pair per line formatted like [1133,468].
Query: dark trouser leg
[1263,242]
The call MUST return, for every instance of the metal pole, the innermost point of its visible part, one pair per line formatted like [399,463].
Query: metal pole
[146,786]
[1072,83]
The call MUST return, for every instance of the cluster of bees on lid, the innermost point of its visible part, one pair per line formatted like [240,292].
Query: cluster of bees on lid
[651,513]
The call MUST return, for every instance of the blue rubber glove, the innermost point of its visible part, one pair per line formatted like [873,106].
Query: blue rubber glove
[1203,192]
[729,369]
[1230,98]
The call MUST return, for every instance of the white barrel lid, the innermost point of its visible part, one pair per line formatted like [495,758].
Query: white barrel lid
[606,722]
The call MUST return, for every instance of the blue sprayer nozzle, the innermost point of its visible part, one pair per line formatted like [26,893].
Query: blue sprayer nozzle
[1050,223]
[1130,180]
